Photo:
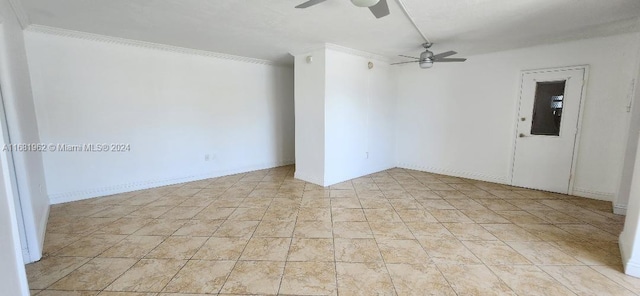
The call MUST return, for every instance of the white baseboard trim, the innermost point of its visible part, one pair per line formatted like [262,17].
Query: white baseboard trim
[620,209]
[309,178]
[59,198]
[326,183]
[33,252]
[461,174]
[631,267]
[43,230]
[341,179]
[37,255]
[588,193]
[623,250]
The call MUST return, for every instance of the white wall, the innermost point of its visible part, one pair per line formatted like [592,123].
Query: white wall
[359,117]
[459,119]
[172,108]
[622,198]
[22,128]
[344,115]
[13,277]
[630,236]
[310,116]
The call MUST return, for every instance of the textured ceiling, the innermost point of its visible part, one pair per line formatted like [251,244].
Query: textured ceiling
[270,29]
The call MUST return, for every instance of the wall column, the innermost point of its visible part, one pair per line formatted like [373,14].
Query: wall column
[630,236]
[345,115]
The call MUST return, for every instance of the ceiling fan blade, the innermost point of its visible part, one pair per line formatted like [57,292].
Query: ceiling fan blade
[405,62]
[444,55]
[449,60]
[404,56]
[310,3]
[381,9]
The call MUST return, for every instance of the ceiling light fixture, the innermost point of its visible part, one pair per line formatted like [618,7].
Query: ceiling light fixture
[426,64]
[365,3]
[425,59]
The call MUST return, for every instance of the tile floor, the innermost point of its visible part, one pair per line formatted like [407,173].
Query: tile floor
[397,232]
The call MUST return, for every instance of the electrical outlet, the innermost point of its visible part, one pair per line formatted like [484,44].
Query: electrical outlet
[366,155]
[207,157]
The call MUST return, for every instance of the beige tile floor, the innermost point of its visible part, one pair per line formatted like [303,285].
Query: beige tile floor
[397,232]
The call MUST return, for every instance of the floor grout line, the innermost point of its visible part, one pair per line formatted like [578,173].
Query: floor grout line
[397,187]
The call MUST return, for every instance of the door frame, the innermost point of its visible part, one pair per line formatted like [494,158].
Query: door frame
[576,141]
[11,174]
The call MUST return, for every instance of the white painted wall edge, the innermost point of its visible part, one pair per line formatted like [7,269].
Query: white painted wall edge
[144,44]
[25,254]
[43,229]
[630,266]
[105,191]
[461,174]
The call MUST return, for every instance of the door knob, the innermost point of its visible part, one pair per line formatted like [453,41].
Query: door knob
[522,135]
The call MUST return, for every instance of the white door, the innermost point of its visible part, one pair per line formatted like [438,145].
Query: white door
[547,128]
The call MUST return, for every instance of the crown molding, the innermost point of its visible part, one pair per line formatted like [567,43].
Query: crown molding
[20,13]
[307,49]
[144,44]
[340,48]
[356,52]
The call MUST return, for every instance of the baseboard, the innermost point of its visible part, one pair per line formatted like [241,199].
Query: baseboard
[343,178]
[33,251]
[37,255]
[309,178]
[623,250]
[588,193]
[630,266]
[59,198]
[326,183]
[461,174]
[632,269]
[620,209]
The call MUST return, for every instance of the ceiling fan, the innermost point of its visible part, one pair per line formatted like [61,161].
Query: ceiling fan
[379,8]
[427,58]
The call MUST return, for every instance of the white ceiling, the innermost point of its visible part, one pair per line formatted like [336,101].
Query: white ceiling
[270,29]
